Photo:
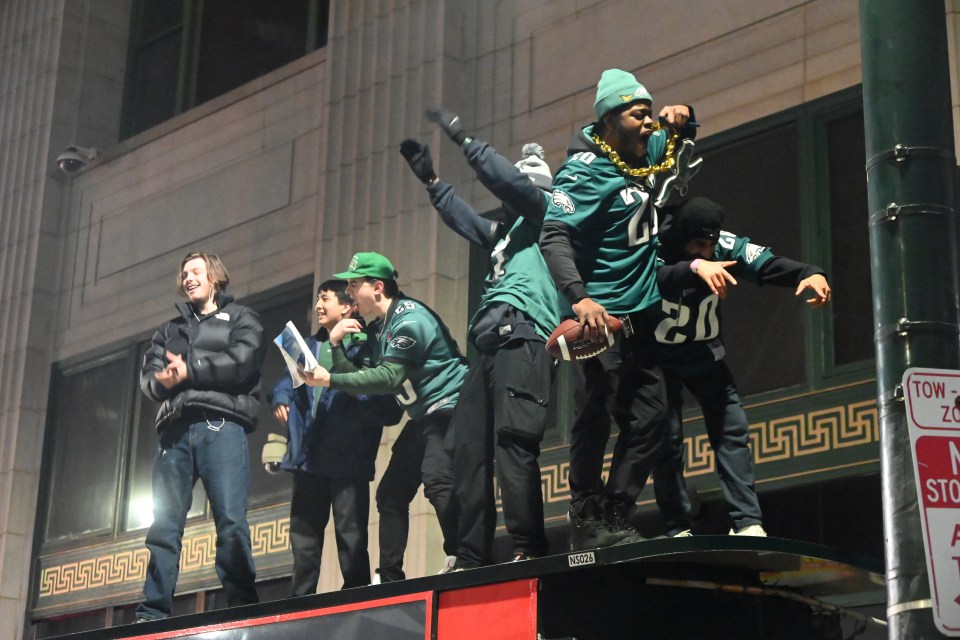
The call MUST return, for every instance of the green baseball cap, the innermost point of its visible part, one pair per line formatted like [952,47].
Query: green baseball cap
[617,88]
[368,265]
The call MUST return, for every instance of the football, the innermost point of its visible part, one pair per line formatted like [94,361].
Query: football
[566,342]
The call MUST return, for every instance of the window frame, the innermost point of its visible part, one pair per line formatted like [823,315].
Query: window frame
[190,27]
[73,366]
[812,120]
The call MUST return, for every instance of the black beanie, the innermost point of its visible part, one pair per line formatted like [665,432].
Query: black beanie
[694,219]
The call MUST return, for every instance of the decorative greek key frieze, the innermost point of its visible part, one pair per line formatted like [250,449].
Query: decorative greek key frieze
[94,572]
[816,432]
[199,553]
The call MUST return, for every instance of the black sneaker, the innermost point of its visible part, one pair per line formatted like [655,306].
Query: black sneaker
[590,533]
[520,556]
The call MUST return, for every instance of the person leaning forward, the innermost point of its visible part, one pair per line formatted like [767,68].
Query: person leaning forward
[204,366]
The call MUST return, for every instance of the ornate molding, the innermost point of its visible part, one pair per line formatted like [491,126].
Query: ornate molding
[129,566]
[813,433]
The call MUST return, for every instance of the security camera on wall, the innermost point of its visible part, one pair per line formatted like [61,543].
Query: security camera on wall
[75,159]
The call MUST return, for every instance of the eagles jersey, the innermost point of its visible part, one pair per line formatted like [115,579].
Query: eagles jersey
[519,277]
[414,336]
[687,325]
[613,226]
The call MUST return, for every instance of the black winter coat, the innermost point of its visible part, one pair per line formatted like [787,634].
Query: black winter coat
[223,352]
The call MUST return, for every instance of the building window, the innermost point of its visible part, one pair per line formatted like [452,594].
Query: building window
[185,52]
[756,179]
[758,174]
[91,413]
[850,241]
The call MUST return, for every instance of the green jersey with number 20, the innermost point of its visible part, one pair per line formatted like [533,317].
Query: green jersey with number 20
[613,226]
[688,324]
[414,336]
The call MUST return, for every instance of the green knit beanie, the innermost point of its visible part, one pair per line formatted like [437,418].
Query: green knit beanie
[616,89]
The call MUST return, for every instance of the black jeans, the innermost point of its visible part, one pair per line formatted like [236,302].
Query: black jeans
[623,385]
[422,454]
[313,498]
[501,416]
[728,431]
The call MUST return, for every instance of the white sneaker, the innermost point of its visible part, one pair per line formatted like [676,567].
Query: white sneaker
[754,530]
[448,565]
[376,577]
[686,533]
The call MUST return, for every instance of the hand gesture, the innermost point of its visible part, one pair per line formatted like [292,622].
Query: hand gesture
[319,377]
[593,318]
[675,115]
[342,328]
[174,373]
[448,121]
[716,276]
[818,285]
[418,157]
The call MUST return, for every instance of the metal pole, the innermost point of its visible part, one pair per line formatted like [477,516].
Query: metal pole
[913,254]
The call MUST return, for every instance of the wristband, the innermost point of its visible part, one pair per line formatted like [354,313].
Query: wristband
[694,264]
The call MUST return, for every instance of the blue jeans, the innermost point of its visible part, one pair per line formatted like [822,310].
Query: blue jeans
[218,455]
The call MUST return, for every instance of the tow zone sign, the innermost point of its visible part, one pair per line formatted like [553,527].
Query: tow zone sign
[933,416]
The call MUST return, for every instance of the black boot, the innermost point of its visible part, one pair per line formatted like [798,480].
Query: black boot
[616,516]
[588,529]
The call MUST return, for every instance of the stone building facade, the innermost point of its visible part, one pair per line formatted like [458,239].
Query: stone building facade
[285,177]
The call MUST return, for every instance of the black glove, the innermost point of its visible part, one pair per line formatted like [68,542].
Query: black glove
[418,157]
[448,121]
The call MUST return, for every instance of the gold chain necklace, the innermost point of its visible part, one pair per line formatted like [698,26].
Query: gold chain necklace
[626,169]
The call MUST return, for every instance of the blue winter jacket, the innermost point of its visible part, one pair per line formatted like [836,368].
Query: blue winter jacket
[342,440]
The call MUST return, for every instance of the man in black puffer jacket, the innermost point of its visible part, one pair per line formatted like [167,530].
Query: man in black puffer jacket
[204,366]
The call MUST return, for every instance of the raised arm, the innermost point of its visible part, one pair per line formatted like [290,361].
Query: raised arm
[455,213]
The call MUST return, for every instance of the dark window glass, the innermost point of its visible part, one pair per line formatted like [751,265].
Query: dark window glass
[264,486]
[143,448]
[86,448]
[154,94]
[183,53]
[243,39]
[159,16]
[756,181]
[850,241]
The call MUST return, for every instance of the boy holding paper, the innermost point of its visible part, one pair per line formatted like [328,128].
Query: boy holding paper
[333,439]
